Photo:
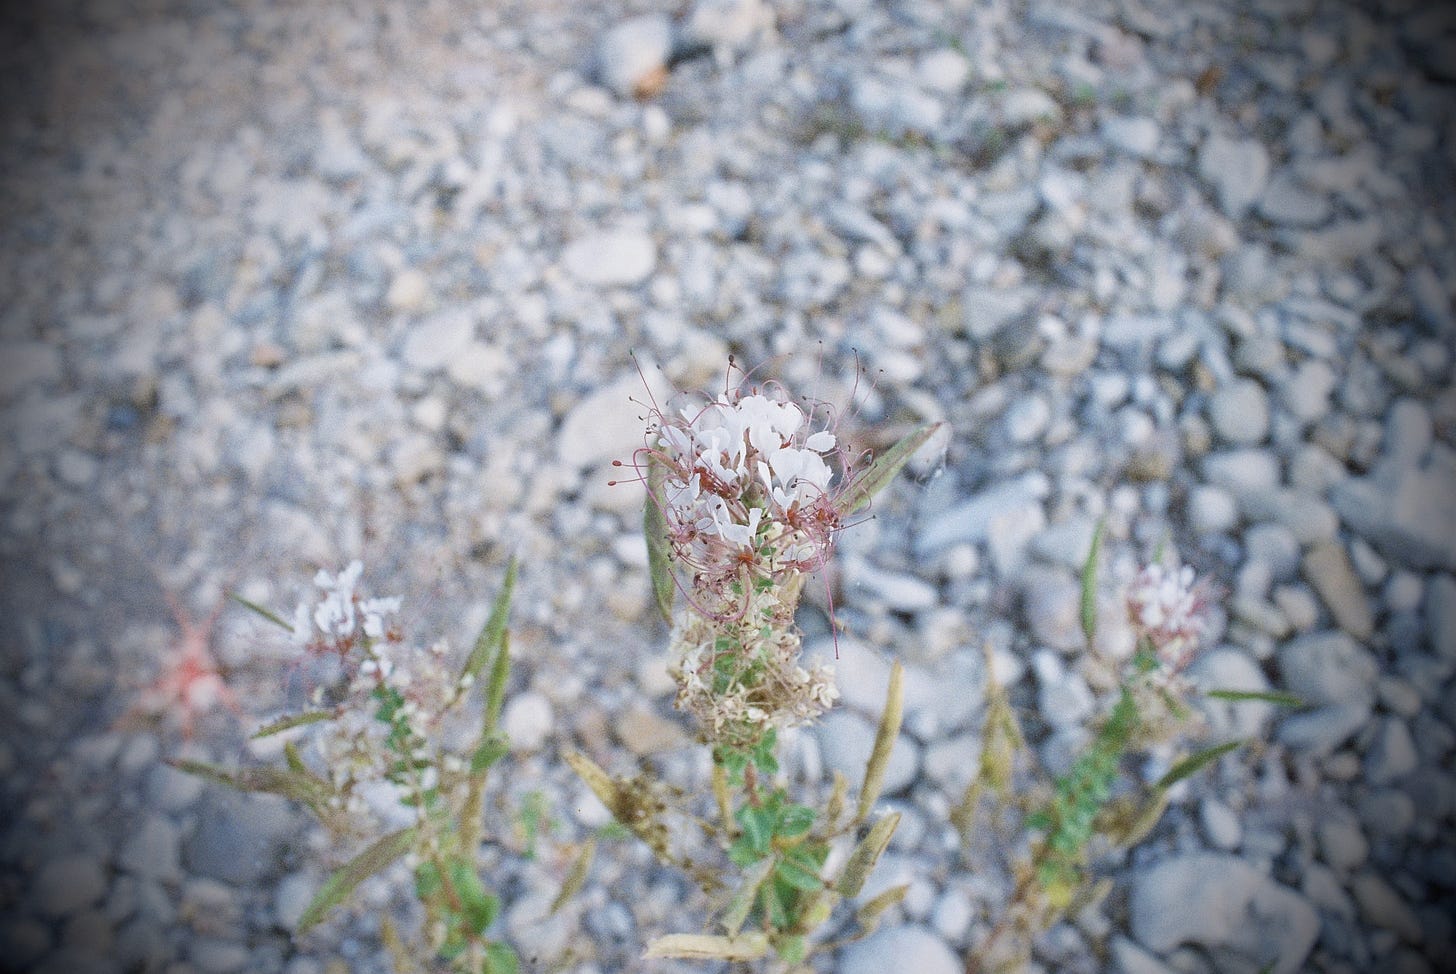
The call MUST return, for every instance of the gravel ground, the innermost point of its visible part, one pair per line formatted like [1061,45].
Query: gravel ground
[291,283]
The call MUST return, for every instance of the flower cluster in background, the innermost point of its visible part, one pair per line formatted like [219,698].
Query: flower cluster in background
[1169,609]
[393,697]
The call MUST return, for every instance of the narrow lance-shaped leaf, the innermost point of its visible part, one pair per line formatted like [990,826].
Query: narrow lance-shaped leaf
[835,808]
[488,643]
[495,689]
[695,946]
[654,530]
[209,772]
[338,886]
[885,736]
[868,916]
[296,784]
[1089,582]
[295,760]
[1194,762]
[596,779]
[1141,826]
[1239,696]
[1089,894]
[399,955]
[290,721]
[268,614]
[877,476]
[576,879]
[861,861]
[742,901]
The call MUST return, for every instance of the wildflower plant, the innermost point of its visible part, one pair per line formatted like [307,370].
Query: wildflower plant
[377,734]
[744,501]
[1169,611]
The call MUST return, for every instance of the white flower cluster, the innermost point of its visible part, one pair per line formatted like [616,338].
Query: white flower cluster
[362,747]
[744,471]
[341,609]
[1170,609]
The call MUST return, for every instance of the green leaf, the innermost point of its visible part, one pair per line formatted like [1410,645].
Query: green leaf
[491,749]
[654,529]
[793,948]
[798,877]
[300,785]
[500,959]
[774,908]
[877,476]
[479,906]
[869,915]
[795,820]
[291,721]
[1194,762]
[763,754]
[495,691]
[742,901]
[492,637]
[1276,698]
[268,614]
[575,879]
[339,885]
[1089,581]
[742,853]
[757,826]
[427,880]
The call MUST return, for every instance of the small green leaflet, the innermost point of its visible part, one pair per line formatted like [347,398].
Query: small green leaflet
[271,616]
[338,886]
[576,878]
[1238,696]
[877,476]
[296,783]
[291,721]
[500,959]
[742,901]
[1195,762]
[487,645]
[1089,582]
[798,876]
[490,750]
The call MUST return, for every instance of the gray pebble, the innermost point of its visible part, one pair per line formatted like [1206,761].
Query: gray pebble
[1342,844]
[1393,753]
[1239,412]
[1220,824]
[1383,907]
[68,884]
[154,850]
[1224,903]
[632,55]
[899,948]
